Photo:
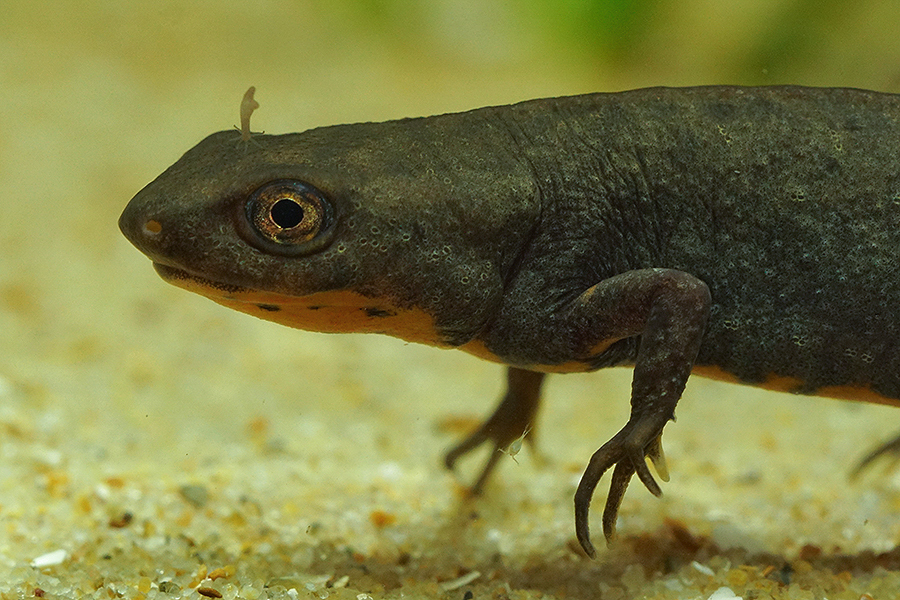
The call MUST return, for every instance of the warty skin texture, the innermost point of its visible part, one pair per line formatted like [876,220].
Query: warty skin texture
[748,233]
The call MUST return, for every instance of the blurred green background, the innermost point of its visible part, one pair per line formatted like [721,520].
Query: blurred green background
[321,61]
[122,87]
[464,51]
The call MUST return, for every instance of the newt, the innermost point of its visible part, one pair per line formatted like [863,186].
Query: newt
[750,234]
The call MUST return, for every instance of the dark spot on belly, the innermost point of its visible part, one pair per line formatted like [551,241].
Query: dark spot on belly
[269,307]
[373,311]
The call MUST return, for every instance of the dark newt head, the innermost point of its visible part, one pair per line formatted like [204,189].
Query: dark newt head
[346,228]
[230,216]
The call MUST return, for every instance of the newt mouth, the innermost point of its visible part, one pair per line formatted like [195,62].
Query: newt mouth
[181,278]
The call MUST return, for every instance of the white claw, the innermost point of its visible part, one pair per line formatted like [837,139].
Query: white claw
[658,458]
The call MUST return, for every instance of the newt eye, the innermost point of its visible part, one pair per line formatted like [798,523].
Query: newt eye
[289,217]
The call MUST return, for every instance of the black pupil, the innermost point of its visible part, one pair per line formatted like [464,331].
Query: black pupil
[286,213]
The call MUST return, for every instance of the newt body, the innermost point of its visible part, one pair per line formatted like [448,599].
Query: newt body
[748,233]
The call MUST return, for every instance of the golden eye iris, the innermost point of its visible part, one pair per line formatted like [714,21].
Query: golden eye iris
[288,212]
[287,217]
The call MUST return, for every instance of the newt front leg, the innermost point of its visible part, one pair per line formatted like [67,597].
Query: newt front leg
[668,309]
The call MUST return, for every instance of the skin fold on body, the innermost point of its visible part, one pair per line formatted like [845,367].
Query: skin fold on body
[751,234]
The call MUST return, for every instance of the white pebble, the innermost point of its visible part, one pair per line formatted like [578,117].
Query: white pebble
[57,557]
[453,584]
[103,491]
[390,471]
[724,593]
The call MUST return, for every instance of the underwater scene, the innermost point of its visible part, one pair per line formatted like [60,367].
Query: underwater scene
[154,444]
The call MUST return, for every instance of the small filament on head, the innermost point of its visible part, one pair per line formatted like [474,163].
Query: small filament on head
[248,105]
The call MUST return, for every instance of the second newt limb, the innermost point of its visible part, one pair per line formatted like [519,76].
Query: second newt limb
[515,413]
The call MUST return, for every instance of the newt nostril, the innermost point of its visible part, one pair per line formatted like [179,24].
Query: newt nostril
[152,227]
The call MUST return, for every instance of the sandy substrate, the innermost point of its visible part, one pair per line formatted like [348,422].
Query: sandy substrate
[155,445]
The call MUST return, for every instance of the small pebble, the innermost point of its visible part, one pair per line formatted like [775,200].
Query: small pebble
[196,495]
[459,582]
[50,559]
[724,593]
[169,587]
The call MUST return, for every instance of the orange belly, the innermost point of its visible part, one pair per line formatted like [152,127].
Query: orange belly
[792,385]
